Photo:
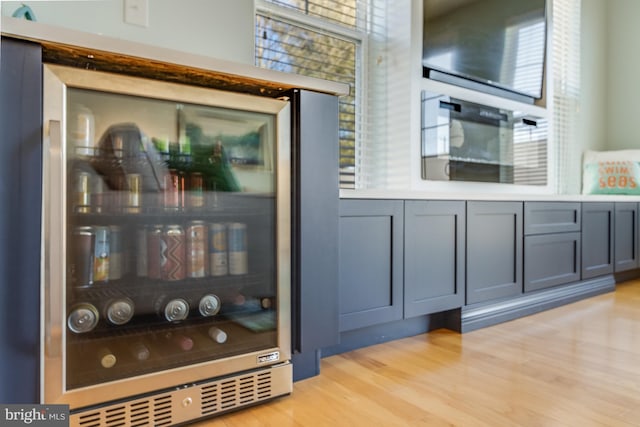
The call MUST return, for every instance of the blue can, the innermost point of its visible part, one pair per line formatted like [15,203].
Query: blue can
[238,256]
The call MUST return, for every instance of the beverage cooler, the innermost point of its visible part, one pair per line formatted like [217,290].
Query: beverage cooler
[166,244]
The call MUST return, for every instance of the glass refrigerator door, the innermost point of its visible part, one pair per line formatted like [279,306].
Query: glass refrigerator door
[170,234]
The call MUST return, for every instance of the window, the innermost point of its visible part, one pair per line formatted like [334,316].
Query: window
[323,39]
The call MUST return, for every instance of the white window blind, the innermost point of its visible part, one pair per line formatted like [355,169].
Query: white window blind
[566,93]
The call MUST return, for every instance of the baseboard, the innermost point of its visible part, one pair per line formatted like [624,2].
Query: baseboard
[476,317]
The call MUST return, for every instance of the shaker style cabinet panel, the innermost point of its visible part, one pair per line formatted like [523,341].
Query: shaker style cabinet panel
[626,236]
[551,217]
[550,260]
[370,269]
[434,262]
[551,244]
[597,239]
[494,250]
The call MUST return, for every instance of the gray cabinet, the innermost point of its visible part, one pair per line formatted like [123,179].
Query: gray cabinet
[626,236]
[494,250]
[597,239]
[434,256]
[371,260]
[551,260]
[20,217]
[314,290]
[552,244]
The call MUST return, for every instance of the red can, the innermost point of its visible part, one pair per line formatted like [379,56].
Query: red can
[171,200]
[175,265]
[156,252]
[197,249]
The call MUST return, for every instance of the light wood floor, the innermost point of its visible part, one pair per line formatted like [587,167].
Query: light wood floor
[575,366]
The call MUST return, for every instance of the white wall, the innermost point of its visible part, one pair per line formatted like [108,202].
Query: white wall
[623,79]
[222,29]
[592,126]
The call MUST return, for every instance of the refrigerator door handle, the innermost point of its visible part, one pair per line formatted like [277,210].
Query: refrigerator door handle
[53,291]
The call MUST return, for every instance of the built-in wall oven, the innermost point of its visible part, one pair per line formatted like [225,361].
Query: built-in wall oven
[467,141]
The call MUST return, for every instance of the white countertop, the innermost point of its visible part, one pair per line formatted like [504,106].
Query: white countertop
[422,195]
[39,32]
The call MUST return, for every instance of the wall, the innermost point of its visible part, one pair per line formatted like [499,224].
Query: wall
[219,28]
[623,81]
[591,116]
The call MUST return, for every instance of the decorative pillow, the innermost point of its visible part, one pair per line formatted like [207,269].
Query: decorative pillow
[611,172]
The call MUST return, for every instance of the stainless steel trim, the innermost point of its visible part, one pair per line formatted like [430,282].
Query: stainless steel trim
[53,241]
[193,401]
[283,174]
[53,373]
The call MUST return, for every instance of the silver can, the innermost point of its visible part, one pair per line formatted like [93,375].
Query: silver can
[209,305]
[238,256]
[119,311]
[83,318]
[176,310]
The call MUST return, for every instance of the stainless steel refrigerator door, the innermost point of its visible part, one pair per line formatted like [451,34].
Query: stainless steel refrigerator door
[57,384]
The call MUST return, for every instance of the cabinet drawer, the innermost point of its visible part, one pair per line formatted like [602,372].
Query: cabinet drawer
[551,260]
[551,217]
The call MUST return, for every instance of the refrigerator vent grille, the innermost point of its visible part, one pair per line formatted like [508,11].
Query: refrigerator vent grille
[156,412]
[235,392]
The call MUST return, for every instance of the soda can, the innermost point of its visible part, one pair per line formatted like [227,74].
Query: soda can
[175,265]
[197,248]
[101,255]
[209,305]
[119,311]
[82,264]
[134,193]
[218,259]
[238,256]
[156,252]
[176,310]
[171,199]
[83,318]
[116,253]
[141,252]
[82,192]
[196,190]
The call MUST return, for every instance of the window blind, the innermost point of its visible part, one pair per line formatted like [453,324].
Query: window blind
[566,93]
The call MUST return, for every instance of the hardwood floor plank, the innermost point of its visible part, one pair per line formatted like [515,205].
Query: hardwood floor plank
[577,365]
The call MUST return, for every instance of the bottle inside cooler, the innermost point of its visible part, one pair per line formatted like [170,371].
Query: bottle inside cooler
[171,231]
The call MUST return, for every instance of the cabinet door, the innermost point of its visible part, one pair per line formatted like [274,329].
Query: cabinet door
[434,256]
[626,236]
[494,250]
[370,267]
[597,239]
[550,260]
